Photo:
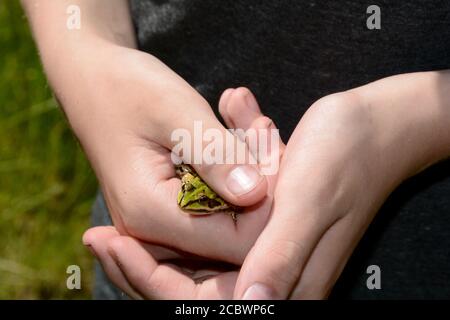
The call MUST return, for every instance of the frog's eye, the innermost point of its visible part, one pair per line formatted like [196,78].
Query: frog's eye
[207,202]
[212,203]
[188,186]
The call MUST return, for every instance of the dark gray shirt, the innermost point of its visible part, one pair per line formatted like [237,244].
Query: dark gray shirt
[290,53]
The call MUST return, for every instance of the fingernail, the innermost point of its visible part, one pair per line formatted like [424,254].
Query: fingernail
[258,291]
[243,179]
[91,249]
[251,102]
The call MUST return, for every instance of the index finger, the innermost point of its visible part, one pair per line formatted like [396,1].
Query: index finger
[159,281]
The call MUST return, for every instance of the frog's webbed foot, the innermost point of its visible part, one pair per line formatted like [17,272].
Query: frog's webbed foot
[233,216]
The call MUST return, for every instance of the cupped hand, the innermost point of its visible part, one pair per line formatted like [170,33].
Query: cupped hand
[147,270]
[330,185]
[328,190]
[124,111]
[340,164]
[347,154]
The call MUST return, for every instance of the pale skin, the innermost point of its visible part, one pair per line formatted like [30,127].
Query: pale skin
[123,105]
[369,138]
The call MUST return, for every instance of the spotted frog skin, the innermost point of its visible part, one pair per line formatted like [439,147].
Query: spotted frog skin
[197,197]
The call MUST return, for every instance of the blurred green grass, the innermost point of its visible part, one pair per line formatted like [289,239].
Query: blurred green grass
[46,184]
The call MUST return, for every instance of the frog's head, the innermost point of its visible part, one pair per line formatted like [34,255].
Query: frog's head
[197,196]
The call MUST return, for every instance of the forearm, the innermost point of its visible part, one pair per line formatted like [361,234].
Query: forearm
[106,19]
[78,59]
[411,113]
[66,52]
[93,68]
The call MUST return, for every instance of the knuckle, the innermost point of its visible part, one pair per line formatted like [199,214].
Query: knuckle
[156,286]
[287,258]
[115,245]
[340,113]
[241,92]
[311,291]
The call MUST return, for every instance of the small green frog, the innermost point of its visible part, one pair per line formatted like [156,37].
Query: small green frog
[197,197]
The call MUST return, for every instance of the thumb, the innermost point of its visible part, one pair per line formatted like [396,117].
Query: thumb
[221,158]
[275,263]
[241,184]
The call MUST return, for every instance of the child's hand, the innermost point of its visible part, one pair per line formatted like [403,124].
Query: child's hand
[124,105]
[124,112]
[140,269]
[347,154]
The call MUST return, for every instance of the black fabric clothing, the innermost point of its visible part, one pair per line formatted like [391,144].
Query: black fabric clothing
[291,53]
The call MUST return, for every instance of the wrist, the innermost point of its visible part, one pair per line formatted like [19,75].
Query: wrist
[76,67]
[411,115]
